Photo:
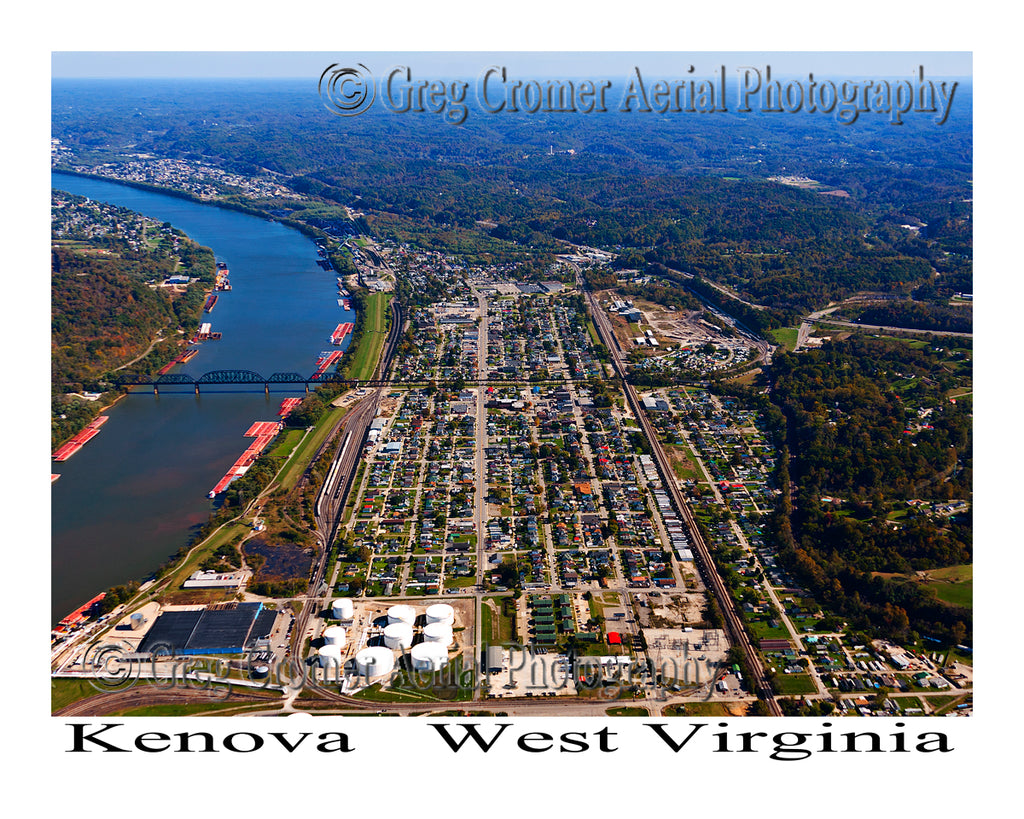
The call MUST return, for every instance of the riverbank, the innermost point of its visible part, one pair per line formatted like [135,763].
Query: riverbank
[137,493]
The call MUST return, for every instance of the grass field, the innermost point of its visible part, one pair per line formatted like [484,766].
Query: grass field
[794,684]
[374,332]
[627,711]
[953,585]
[285,443]
[495,628]
[232,533]
[683,463]
[65,692]
[786,336]
[302,454]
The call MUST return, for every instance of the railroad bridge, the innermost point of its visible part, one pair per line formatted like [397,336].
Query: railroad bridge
[216,377]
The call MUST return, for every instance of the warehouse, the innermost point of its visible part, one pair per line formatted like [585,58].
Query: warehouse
[225,628]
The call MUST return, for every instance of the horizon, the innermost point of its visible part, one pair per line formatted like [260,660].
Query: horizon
[183,65]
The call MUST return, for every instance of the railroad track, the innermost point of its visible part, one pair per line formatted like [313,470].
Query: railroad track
[734,625]
[141,696]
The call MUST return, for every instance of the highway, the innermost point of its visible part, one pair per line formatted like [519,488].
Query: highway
[734,625]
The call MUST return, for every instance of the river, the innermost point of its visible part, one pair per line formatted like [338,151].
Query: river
[135,493]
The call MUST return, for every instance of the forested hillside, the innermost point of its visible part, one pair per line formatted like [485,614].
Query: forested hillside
[861,457]
[107,302]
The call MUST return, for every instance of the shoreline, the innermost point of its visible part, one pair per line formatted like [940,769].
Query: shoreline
[115,396]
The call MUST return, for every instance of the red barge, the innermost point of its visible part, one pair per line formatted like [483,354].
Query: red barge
[79,440]
[264,432]
[340,332]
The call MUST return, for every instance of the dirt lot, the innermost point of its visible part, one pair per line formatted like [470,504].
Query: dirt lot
[665,611]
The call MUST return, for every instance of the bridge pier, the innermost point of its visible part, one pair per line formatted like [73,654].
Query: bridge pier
[266,389]
[197,389]
[156,390]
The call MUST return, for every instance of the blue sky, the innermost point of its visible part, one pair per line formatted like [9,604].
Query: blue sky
[551,64]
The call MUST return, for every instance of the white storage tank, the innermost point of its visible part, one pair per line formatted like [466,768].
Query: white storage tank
[335,636]
[429,657]
[330,656]
[398,635]
[343,609]
[441,613]
[402,614]
[438,633]
[375,661]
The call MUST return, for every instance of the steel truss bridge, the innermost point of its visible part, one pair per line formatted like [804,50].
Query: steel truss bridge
[244,377]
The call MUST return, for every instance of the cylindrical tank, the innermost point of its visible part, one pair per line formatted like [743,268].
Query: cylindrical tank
[429,657]
[374,661]
[343,609]
[441,613]
[260,672]
[438,633]
[402,614]
[329,656]
[137,620]
[335,636]
[398,635]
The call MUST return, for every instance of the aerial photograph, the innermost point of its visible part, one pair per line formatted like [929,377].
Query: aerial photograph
[512,385]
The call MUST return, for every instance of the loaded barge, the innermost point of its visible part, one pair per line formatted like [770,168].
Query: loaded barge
[326,359]
[77,616]
[340,332]
[182,358]
[79,440]
[264,432]
[221,281]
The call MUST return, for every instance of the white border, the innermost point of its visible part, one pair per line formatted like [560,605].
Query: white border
[396,754]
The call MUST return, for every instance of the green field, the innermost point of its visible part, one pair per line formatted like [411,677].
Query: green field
[794,684]
[374,325]
[495,627]
[285,443]
[627,711]
[953,585]
[786,336]
[64,692]
[309,445]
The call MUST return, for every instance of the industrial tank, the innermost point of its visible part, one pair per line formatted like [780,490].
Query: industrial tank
[343,609]
[335,636]
[398,635]
[374,661]
[441,613]
[402,614]
[330,656]
[438,633]
[429,657]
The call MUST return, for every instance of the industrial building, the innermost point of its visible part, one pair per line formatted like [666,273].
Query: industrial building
[225,628]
